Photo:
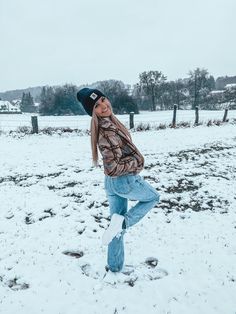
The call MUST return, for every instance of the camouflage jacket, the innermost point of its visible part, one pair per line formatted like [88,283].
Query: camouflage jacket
[120,156]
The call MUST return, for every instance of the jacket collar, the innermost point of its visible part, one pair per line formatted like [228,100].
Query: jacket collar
[105,123]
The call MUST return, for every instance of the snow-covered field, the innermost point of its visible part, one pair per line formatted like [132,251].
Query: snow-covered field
[53,211]
[12,122]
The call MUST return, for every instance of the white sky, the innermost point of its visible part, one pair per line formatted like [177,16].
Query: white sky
[83,41]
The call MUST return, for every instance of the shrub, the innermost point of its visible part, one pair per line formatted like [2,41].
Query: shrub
[24,129]
[161,126]
[143,127]
[183,124]
[209,123]
[217,122]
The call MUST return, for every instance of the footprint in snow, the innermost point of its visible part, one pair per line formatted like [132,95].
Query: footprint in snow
[130,274]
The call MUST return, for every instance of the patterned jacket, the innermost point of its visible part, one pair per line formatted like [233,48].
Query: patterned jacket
[120,156]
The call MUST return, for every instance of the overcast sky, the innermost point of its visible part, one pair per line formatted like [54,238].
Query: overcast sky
[53,42]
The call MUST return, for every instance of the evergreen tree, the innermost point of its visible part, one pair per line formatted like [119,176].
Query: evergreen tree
[27,103]
[60,101]
[47,100]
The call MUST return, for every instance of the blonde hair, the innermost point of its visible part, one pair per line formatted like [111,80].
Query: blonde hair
[94,131]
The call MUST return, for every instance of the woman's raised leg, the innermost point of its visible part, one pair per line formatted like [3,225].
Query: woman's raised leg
[136,188]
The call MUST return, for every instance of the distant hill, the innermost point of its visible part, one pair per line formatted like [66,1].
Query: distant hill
[17,93]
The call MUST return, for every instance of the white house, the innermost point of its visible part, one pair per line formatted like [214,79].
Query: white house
[7,107]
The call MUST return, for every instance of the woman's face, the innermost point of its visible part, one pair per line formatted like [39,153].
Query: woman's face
[103,107]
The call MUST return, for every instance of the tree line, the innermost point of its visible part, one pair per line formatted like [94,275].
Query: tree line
[152,92]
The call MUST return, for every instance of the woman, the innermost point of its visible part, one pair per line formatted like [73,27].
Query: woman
[122,163]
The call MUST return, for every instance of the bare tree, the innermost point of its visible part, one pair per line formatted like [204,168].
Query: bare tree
[151,83]
[200,83]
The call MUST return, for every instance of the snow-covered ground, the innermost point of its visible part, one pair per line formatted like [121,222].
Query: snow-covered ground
[12,122]
[53,211]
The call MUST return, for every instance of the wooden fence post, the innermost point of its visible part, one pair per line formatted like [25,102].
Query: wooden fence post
[34,121]
[225,115]
[131,120]
[174,117]
[196,115]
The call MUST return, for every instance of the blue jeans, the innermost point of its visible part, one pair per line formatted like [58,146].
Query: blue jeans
[118,191]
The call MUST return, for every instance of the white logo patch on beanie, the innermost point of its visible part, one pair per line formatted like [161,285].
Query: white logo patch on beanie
[93,96]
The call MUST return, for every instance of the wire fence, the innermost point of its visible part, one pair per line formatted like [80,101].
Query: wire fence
[10,122]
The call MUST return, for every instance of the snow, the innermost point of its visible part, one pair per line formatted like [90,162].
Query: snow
[12,122]
[217,91]
[53,205]
[230,86]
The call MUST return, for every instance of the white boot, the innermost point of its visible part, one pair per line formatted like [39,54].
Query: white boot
[114,228]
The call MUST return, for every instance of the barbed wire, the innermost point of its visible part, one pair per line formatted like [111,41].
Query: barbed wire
[60,121]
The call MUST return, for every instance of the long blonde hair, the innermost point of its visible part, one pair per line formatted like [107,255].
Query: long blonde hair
[94,131]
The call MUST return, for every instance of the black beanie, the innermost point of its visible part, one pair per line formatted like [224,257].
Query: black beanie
[88,97]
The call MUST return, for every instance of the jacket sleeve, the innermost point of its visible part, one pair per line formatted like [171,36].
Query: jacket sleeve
[114,163]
